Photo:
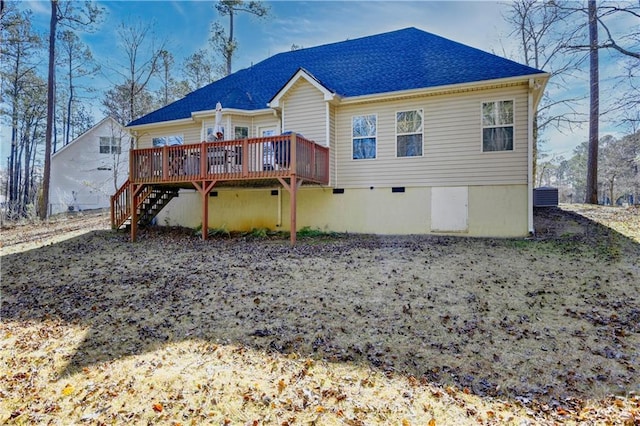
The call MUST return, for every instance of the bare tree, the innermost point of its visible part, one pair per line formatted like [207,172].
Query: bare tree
[199,69]
[591,196]
[171,89]
[627,44]
[119,159]
[68,14]
[18,66]
[225,43]
[117,103]
[77,61]
[542,35]
[131,98]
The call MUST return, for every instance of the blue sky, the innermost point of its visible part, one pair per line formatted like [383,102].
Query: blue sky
[186,25]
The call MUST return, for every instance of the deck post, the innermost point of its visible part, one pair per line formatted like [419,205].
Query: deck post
[205,212]
[293,189]
[204,191]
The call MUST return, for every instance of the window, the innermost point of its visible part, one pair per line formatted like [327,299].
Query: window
[409,133]
[364,137]
[168,140]
[497,126]
[109,145]
[241,133]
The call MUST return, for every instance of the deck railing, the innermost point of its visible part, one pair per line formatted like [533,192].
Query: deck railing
[242,159]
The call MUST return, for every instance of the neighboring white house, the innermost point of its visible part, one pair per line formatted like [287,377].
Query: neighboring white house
[90,168]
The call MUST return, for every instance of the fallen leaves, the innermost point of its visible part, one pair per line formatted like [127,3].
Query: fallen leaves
[364,330]
[68,390]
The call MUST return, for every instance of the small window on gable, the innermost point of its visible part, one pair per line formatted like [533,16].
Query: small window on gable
[409,130]
[168,140]
[241,132]
[364,135]
[497,126]
[110,145]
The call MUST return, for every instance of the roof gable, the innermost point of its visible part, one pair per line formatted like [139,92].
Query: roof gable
[400,60]
[84,136]
[302,74]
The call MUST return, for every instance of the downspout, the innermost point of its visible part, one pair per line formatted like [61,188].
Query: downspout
[327,124]
[282,129]
[532,231]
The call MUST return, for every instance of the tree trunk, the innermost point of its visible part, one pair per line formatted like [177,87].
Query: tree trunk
[67,136]
[230,48]
[27,171]
[13,172]
[51,83]
[594,111]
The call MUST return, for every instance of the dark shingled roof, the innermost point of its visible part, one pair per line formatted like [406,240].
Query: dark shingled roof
[399,60]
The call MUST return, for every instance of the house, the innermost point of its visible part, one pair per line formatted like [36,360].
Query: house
[85,172]
[404,132]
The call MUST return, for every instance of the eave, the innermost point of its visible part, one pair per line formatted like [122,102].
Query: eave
[446,89]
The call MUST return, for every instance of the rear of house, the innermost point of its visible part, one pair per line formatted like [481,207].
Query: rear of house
[430,137]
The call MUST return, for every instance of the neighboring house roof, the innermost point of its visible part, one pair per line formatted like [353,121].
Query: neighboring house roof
[400,60]
[81,137]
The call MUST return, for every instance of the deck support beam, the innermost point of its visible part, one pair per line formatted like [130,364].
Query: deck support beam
[292,187]
[204,189]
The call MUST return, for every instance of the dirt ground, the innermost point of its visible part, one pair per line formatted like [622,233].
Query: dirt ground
[340,329]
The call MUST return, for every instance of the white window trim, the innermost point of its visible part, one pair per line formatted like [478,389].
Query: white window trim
[421,110]
[240,126]
[180,135]
[482,127]
[352,138]
[112,144]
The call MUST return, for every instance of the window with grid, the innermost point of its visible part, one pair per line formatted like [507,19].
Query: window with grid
[497,126]
[168,140]
[409,131]
[364,135]
[109,145]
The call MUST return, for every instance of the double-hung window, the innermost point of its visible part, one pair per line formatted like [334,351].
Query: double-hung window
[109,145]
[409,130]
[241,132]
[497,126]
[168,140]
[364,135]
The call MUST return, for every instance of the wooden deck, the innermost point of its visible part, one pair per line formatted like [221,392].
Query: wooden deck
[288,159]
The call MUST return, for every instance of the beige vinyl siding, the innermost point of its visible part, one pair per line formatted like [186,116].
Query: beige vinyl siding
[267,120]
[190,133]
[304,111]
[252,122]
[452,153]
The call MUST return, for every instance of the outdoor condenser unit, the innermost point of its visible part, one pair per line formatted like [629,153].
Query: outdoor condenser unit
[545,196]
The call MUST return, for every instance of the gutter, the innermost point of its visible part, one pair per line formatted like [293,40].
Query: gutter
[445,89]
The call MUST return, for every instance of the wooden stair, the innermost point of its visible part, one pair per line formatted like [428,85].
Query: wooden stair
[149,201]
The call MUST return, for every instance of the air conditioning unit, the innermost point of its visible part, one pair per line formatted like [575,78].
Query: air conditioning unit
[545,196]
